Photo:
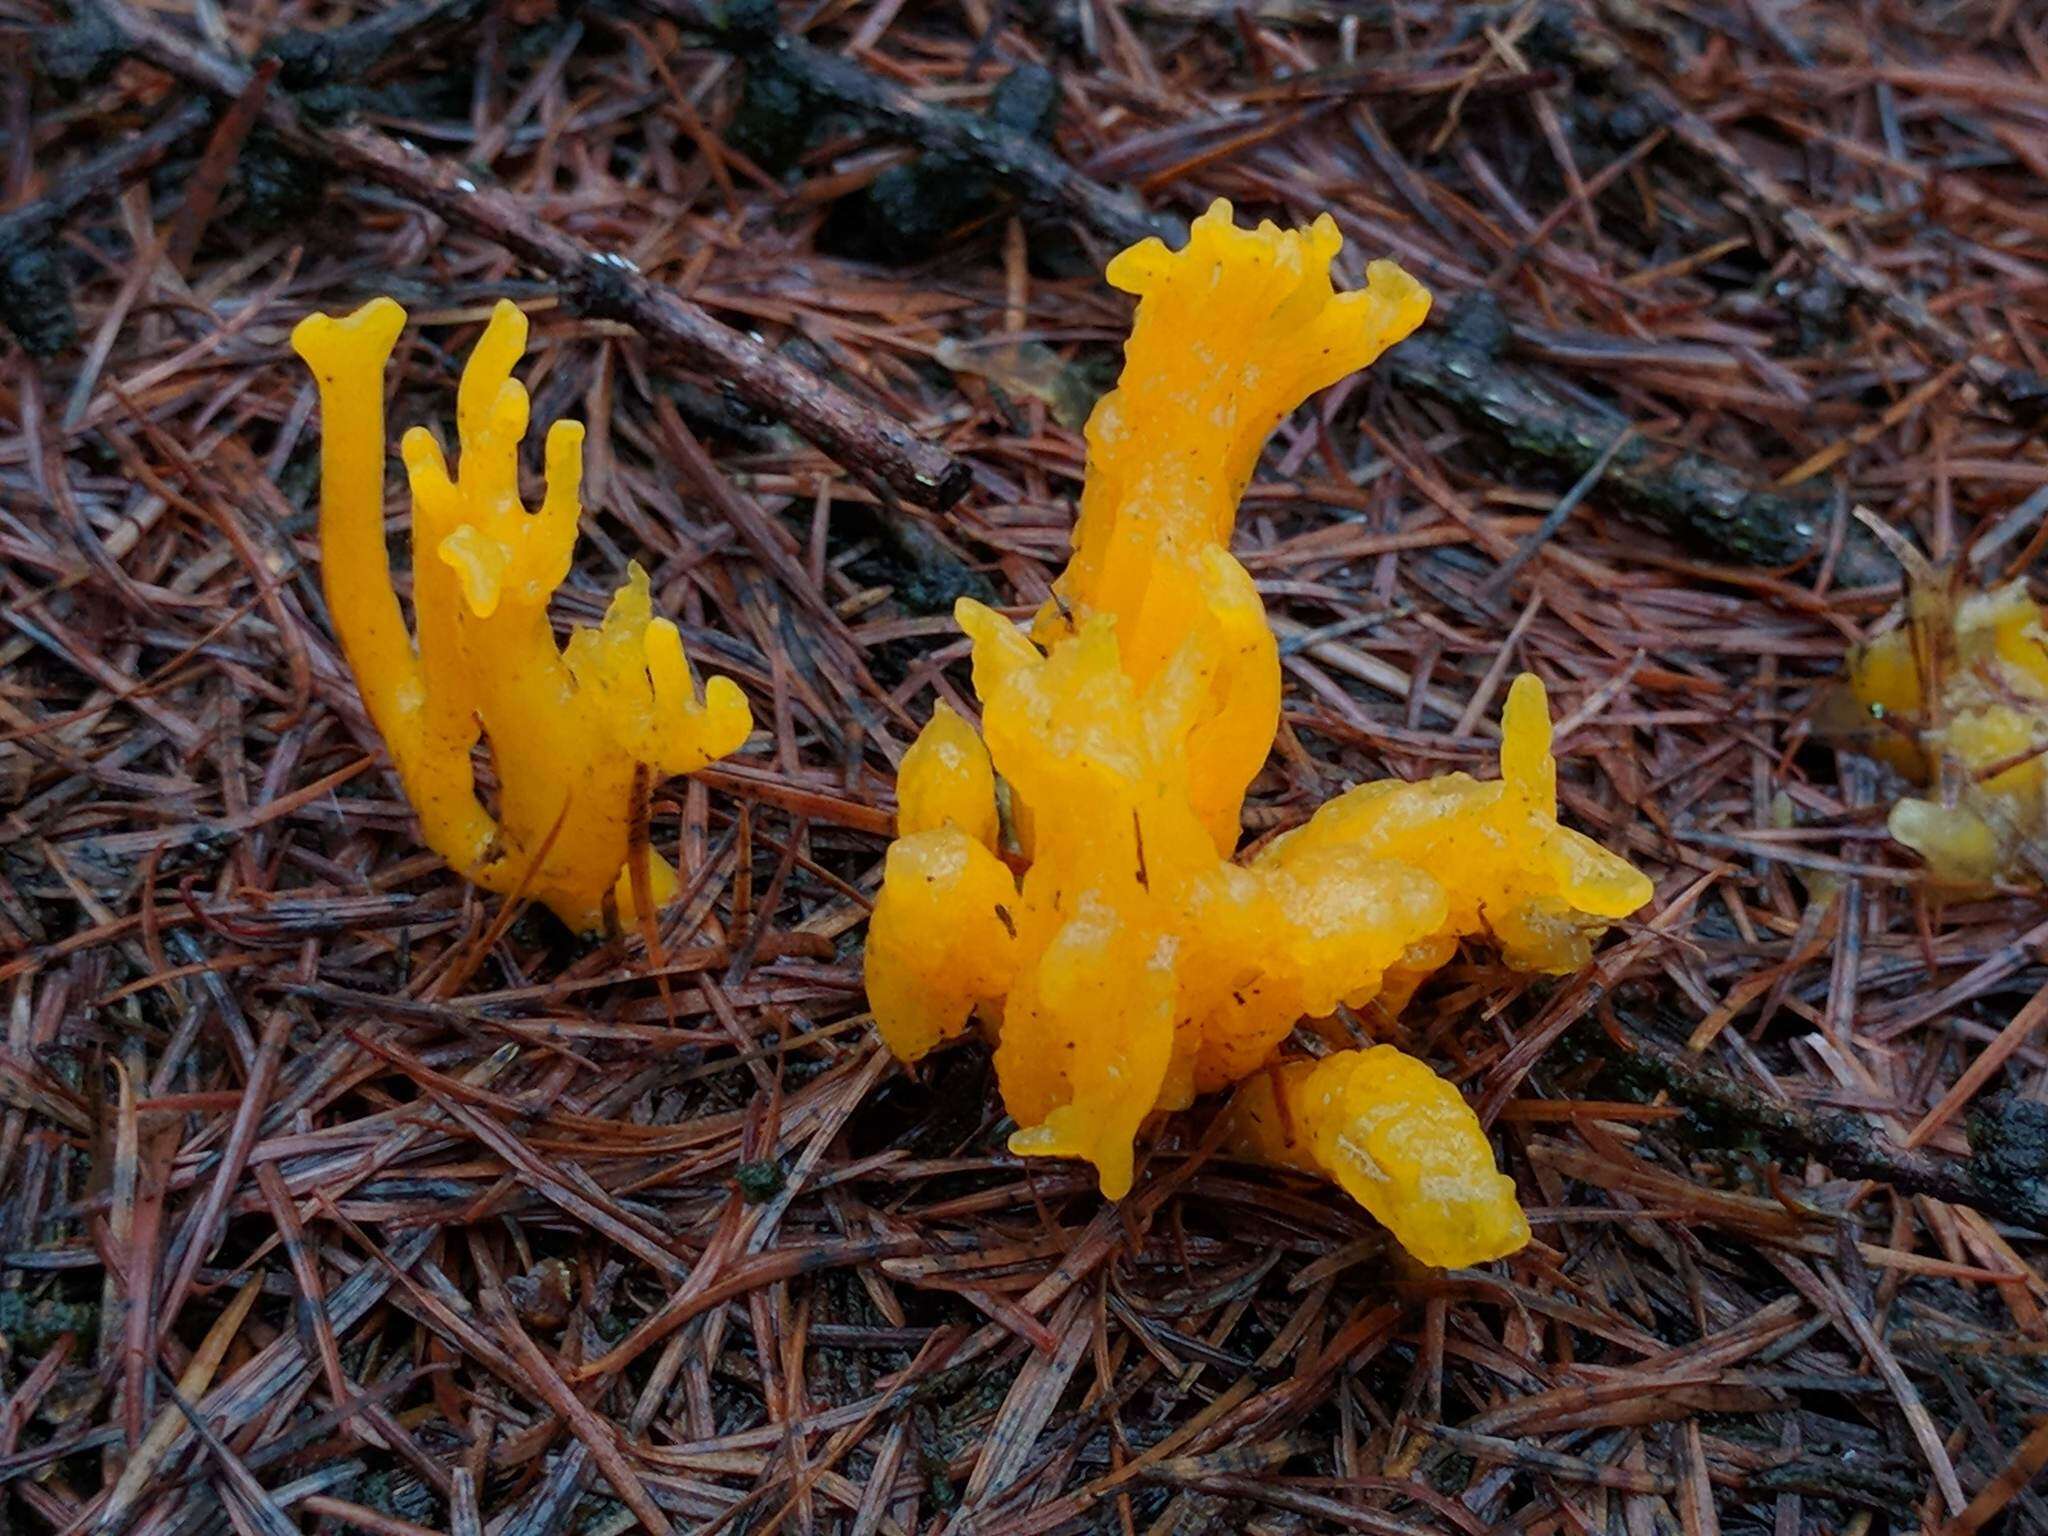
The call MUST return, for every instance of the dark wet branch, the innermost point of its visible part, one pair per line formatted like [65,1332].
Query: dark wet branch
[2005,1175]
[34,302]
[871,445]
[1695,499]
[2018,390]
[1020,161]
[1698,500]
[315,58]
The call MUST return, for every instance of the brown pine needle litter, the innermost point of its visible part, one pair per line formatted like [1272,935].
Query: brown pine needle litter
[338,1196]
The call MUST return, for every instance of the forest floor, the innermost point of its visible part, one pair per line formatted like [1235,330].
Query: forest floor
[337,1193]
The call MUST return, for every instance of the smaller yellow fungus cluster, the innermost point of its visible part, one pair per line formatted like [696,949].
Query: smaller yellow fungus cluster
[574,732]
[1957,699]
[1126,960]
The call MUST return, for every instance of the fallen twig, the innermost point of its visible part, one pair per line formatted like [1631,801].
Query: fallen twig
[1041,176]
[2017,389]
[33,301]
[1995,1179]
[1697,499]
[600,284]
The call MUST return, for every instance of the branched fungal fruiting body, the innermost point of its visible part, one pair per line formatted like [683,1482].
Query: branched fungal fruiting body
[1136,963]
[569,727]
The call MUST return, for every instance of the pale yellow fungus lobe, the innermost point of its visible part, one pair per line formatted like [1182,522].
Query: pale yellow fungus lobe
[1957,699]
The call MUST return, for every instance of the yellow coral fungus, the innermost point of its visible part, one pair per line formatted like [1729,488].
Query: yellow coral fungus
[1136,963]
[1398,1139]
[570,728]
[1957,699]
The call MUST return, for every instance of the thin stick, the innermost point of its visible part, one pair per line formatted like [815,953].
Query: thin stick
[600,284]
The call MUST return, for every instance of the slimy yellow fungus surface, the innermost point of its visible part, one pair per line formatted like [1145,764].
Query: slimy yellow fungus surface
[1398,1138]
[569,727]
[1124,958]
[1957,700]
